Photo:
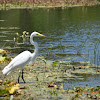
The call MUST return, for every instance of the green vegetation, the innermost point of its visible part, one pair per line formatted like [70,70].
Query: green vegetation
[49,85]
[46,3]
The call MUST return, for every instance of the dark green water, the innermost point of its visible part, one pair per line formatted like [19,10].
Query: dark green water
[73,34]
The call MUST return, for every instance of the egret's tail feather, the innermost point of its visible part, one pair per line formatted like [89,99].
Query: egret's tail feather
[6,70]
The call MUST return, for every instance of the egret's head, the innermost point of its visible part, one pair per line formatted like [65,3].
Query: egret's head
[36,34]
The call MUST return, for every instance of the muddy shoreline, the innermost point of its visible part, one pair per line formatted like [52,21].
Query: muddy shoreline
[44,80]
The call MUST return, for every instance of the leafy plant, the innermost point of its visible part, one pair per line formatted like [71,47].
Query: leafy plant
[55,63]
[45,61]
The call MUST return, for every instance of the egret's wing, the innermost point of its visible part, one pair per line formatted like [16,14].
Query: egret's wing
[19,61]
[22,59]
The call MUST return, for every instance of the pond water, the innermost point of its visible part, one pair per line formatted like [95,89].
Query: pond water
[91,80]
[73,33]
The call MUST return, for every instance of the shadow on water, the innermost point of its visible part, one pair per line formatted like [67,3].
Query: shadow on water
[27,83]
[92,80]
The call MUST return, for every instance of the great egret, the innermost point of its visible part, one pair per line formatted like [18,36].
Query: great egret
[26,57]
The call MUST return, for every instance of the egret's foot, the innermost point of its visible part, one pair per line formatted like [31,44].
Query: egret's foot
[24,81]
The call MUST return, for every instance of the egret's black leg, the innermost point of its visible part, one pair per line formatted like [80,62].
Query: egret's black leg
[19,76]
[23,77]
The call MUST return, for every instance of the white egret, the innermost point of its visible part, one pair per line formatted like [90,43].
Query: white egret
[26,57]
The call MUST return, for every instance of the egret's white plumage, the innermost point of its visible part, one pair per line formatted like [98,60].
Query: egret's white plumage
[19,61]
[23,58]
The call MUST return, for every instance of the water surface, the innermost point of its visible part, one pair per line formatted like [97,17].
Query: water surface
[73,33]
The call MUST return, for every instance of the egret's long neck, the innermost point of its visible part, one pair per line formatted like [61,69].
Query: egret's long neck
[35,45]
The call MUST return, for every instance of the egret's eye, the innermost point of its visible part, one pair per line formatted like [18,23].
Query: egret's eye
[37,34]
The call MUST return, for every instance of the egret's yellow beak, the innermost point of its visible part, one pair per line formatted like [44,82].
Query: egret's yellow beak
[42,35]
